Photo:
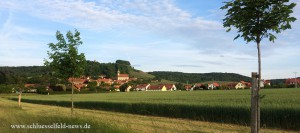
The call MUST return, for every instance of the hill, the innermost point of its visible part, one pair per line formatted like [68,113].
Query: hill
[199,77]
[39,74]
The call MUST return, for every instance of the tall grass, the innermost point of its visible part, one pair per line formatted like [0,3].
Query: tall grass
[280,108]
[12,115]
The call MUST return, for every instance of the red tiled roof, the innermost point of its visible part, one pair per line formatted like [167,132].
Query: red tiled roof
[142,85]
[121,81]
[198,85]
[292,81]
[78,86]
[123,75]
[187,86]
[117,86]
[169,86]
[77,80]
[231,84]
[29,85]
[248,84]
[104,80]
[216,84]
[156,87]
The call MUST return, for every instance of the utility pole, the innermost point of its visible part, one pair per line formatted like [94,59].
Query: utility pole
[295,79]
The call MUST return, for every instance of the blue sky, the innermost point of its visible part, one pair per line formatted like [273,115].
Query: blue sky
[154,35]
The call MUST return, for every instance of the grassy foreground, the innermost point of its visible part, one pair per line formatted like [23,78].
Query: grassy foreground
[102,121]
[32,117]
[280,108]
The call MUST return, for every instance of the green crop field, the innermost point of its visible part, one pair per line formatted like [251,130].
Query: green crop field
[280,108]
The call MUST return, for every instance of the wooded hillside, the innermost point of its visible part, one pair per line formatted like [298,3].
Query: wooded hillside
[38,74]
[199,77]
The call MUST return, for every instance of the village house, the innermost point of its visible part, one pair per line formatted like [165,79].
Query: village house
[247,84]
[239,85]
[142,87]
[122,77]
[267,82]
[198,86]
[30,88]
[78,83]
[212,86]
[157,88]
[162,87]
[120,82]
[128,88]
[292,81]
[170,87]
[104,80]
[29,85]
[188,87]
[117,87]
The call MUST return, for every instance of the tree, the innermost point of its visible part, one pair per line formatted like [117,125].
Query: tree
[180,86]
[124,87]
[92,86]
[256,20]
[123,62]
[64,58]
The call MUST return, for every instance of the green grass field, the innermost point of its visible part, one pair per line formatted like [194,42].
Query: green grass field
[103,121]
[13,118]
[280,108]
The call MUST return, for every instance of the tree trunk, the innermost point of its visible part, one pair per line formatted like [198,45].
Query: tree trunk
[72,107]
[259,80]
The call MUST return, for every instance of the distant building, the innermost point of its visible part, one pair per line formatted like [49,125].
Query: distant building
[212,86]
[247,84]
[128,88]
[170,87]
[157,88]
[267,82]
[78,83]
[239,85]
[142,87]
[30,88]
[29,85]
[162,87]
[104,80]
[292,81]
[188,87]
[122,76]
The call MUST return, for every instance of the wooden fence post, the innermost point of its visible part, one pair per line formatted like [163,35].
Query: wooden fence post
[20,96]
[254,103]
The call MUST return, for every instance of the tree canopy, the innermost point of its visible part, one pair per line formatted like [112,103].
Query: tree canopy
[64,59]
[258,19]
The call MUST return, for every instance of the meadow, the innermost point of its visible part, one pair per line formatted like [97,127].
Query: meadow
[103,121]
[12,118]
[280,108]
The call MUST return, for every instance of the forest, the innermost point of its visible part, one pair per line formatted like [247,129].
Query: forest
[42,74]
[199,77]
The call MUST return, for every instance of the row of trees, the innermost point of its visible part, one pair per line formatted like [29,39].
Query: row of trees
[199,77]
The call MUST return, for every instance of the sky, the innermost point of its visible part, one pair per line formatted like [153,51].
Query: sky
[154,35]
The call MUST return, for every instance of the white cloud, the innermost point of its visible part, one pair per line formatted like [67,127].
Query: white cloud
[113,14]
